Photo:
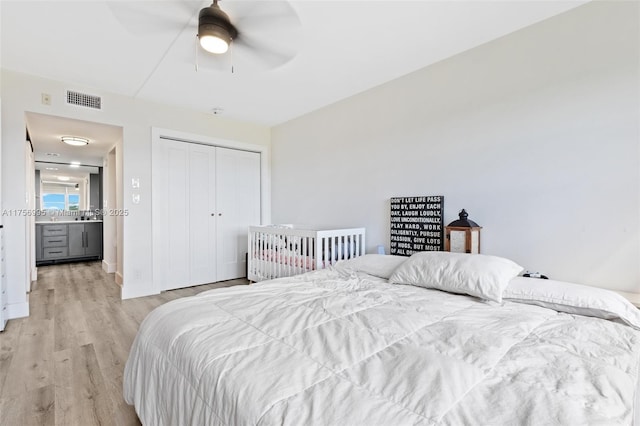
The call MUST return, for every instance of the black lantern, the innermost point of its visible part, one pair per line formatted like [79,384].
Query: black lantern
[462,235]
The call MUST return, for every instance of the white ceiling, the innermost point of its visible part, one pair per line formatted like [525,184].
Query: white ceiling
[46,133]
[146,49]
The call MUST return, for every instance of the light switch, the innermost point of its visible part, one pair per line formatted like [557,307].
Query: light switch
[135,198]
[135,183]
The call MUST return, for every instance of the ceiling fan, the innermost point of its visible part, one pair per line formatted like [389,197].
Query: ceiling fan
[215,30]
[260,33]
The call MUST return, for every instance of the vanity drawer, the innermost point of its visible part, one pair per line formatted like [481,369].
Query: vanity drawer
[55,252]
[58,241]
[54,230]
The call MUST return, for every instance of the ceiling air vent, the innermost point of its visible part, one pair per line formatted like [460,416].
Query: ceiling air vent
[84,100]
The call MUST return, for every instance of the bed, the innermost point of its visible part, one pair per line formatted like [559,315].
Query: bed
[277,251]
[383,340]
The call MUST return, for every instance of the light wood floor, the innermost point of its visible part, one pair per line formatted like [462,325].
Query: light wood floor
[63,365]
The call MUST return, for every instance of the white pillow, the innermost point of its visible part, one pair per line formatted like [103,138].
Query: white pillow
[378,265]
[478,275]
[573,298]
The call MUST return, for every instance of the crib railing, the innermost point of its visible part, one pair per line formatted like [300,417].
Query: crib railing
[276,252]
[339,244]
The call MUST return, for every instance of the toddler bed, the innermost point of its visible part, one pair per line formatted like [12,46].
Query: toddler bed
[277,251]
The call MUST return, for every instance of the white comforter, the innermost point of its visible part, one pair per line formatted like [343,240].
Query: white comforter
[326,349]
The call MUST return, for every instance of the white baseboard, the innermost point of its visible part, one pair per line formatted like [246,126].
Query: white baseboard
[119,279]
[128,294]
[109,268]
[18,310]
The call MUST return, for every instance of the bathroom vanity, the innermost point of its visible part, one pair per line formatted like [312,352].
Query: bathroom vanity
[66,241]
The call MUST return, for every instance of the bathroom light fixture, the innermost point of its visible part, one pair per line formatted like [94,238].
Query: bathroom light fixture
[74,164]
[63,178]
[75,141]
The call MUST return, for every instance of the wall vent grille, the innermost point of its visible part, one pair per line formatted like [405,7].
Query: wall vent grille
[84,100]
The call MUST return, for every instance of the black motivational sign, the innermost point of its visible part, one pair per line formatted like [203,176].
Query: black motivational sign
[416,224]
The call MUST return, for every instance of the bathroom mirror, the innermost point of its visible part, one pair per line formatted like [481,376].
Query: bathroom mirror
[65,187]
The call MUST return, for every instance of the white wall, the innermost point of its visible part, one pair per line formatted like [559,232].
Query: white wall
[109,201]
[21,93]
[536,134]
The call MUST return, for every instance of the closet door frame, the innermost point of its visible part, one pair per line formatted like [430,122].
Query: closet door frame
[157,216]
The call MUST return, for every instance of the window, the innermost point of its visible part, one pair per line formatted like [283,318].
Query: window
[60,197]
[73,201]
[53,201]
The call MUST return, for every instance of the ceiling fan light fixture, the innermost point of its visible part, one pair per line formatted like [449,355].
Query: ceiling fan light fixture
[215,43]
[75,141]
[215,30]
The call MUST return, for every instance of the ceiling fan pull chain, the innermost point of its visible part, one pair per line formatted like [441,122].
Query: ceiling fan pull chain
[232,49]
[196,53]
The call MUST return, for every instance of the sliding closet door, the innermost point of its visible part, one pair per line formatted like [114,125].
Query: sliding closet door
[238,203]
[202,214]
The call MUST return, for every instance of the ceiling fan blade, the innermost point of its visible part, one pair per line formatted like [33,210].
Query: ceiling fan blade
[153,17]
[252,16]
[268,33]
[208,63]
[262,52]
